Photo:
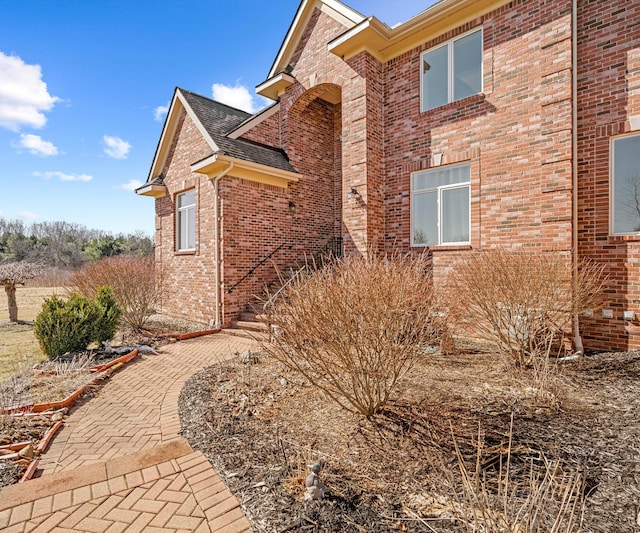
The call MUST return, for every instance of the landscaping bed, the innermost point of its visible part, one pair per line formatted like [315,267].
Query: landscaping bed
[29,396]
[262,426]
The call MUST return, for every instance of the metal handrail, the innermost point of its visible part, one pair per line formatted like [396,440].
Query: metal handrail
[273,297]
[258,265]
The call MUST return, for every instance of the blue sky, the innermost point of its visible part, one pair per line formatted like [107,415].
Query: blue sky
[83,87]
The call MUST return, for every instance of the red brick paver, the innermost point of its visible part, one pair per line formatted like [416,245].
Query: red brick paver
[119,463]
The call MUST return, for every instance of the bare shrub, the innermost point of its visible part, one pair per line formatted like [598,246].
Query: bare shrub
[132,279]
[51,277]
[544,498]
[356,326]
[522,301]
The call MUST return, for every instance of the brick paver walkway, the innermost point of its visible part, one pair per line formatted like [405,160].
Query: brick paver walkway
[119,464]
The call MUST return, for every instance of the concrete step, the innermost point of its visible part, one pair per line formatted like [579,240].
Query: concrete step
[250,316]
[250,325]
[262,336]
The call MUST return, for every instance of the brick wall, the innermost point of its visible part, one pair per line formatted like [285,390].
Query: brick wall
[609,96]
[267,131]
[357,84]
[515,136]
[187,278]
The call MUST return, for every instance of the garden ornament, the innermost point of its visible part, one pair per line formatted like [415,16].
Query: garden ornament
[315,488]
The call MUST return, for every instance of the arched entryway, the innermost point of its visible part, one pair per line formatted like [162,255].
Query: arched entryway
[313,141]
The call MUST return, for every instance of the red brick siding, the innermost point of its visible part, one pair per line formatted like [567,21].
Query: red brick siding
[187,279]
[255,221]
[516,135]
[609,94]
[318,72]
[266,131]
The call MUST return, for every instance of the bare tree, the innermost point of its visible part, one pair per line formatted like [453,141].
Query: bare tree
[13,274]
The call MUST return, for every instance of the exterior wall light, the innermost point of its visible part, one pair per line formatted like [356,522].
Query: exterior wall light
[292,207]
[353,193]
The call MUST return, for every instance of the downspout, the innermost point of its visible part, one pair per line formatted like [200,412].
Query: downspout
[577,339]
[216,238]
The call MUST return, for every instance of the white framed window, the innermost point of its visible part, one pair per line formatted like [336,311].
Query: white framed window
[441,206]
[625,184]
[451,71]
[186,221]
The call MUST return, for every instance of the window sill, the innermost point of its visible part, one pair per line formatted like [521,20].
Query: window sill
[451,105]
[625,238]
[185,252]
[442,247]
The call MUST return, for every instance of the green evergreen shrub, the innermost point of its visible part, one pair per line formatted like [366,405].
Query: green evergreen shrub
[110,313]
[65,326]
[71,325]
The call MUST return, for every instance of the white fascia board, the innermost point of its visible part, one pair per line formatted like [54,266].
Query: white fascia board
[178,103]
[254,121]
[201,129]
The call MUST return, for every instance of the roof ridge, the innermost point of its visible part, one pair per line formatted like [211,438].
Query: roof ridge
[215,101]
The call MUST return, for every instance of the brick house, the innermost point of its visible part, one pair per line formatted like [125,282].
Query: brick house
[474,124]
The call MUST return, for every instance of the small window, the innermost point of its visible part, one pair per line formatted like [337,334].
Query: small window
[440,206]
[452,71]
[186,221]
[625,178]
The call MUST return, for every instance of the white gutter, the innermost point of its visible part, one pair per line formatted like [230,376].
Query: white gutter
[216,238]
[577,339]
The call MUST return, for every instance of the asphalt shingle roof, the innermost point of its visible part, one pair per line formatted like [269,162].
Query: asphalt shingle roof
[220,119]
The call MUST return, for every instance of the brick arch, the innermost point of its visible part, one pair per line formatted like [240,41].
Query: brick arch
[300,97]
[313,143]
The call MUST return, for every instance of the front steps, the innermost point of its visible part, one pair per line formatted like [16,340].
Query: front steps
[251,322]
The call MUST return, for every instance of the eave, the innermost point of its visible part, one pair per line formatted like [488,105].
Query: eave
[152,189]
[385,43]
[276,86]
[370,36]
[217,163]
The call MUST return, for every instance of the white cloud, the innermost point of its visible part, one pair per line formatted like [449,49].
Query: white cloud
[29,215]
[238,97]
[23,94]
[116,147]
[131,185]
[160,112]
[36,145]
[63,177]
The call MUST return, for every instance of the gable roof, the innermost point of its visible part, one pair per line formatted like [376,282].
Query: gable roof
[339,11]
[215,121]
[219,120]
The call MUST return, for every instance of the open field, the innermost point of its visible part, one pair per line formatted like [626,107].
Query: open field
[18,346]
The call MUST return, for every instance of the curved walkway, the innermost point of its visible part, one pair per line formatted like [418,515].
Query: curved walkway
[119,464]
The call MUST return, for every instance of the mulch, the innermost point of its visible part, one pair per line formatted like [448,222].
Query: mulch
[262,426]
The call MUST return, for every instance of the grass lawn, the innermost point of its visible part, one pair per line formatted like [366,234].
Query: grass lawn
[18,346]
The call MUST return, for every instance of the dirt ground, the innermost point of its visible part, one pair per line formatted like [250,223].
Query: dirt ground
[262,427]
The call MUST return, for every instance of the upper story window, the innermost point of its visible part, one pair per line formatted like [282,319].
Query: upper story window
[186,221]
[440,206]
[625,184]
[451,71]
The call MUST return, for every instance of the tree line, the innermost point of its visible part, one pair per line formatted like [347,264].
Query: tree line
[65,244]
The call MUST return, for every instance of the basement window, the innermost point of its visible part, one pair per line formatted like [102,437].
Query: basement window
[441,206]
[625,184]
[451,71]
[186,221]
